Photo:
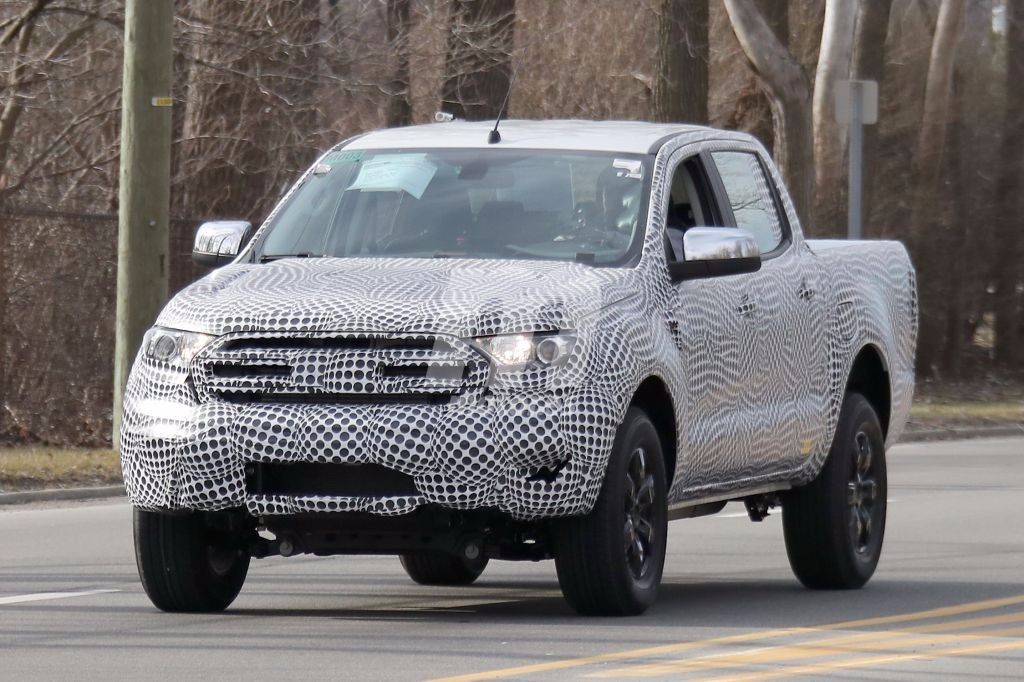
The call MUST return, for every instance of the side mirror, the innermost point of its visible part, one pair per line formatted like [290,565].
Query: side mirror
[219,241]
[716,251]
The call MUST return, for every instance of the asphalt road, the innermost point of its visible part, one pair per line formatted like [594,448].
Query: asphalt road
[947,601]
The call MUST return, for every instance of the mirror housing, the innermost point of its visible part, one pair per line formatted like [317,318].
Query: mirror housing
[716,251]
[218,242]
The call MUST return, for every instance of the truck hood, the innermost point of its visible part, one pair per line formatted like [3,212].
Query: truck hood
[461,297]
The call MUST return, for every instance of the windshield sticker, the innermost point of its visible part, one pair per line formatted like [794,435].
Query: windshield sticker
[396,172]
[629,168]
[352,156]
[321,169]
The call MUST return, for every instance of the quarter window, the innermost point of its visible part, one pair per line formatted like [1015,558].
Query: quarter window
[750,195]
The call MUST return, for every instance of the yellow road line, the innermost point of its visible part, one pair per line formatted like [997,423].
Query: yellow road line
[959,609]
[567,663]
[617,656]
[818,668]
[865,642]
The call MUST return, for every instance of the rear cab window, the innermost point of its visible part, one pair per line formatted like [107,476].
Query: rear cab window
[752,198]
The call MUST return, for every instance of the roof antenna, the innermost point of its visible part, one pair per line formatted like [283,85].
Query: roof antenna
[495,137]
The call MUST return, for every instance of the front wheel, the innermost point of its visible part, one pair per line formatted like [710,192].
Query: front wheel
[609,562]
[186,563]
[835,524]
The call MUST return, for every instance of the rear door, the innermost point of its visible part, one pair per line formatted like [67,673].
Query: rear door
[784,383]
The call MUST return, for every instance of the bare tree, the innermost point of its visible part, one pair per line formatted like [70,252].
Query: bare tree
[790,91]
[37,42]
[829,137]
[251,114]
[680,87]
[399,106]
[1008,274]
[928,173]
[478,67]
[739,100]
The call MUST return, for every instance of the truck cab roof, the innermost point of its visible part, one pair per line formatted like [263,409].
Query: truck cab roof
[631,137]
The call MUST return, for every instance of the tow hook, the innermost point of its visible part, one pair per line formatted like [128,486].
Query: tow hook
[285,546]
[759,505]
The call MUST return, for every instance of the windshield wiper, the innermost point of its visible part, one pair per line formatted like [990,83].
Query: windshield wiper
[278,256]
[449,254]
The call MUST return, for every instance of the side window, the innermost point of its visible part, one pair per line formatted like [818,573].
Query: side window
[690,204]
[750,195]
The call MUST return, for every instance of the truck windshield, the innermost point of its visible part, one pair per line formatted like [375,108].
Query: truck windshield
[464,203]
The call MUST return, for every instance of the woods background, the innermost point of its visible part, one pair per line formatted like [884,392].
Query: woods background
[263,85]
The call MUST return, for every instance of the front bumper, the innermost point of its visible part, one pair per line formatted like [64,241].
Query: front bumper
[531,454]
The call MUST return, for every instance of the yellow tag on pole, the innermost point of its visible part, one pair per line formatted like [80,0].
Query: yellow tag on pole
[162,101]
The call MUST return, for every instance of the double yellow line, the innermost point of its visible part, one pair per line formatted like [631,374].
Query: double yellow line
[887,646]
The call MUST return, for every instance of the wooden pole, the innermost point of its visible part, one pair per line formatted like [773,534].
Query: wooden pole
[142,242]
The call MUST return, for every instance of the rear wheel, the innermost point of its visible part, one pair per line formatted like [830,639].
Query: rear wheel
[834,525]
[187,563]
[609,562]
[437,568]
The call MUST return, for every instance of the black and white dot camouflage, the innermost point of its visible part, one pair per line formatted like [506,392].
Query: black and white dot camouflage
[379,368]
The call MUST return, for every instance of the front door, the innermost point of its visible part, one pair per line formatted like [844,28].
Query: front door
[718,326]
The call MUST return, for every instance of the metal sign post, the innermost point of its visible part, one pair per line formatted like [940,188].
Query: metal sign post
[857,106]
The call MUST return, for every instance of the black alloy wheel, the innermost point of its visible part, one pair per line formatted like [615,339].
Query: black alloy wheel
[610,561]
[834,525]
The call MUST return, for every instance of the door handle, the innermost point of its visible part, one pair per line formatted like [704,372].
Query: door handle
[747,306]
[804,292]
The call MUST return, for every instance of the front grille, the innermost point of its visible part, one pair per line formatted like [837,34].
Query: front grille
[336,398]
[328,480]
[342,368]
[362,343]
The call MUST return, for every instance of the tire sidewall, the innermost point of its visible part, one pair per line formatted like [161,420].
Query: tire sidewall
[858,416]
[636,431]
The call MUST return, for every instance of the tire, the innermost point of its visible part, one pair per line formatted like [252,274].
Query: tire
[601,571]
[185,565]
[834,525]
[437,568]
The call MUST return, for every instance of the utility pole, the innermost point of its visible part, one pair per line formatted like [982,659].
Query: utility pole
[856,106]
[144,194]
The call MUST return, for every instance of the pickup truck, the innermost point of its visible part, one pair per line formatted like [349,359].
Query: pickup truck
[455,346]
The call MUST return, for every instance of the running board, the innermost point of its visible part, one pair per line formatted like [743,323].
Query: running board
[702,506]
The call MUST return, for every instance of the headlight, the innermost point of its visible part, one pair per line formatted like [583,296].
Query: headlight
[511,351]
[174,347]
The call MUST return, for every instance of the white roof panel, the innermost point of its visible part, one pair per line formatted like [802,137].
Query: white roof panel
[607,136]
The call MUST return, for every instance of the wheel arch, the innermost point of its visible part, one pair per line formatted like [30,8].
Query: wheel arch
[869,376]
[654,398]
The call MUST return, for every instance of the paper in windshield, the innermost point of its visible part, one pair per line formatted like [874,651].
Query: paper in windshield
[393,172]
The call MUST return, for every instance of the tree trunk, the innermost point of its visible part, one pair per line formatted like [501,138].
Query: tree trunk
[957,250]
[247,129]
[830,137]
[928,173]
[790,93]
[1008,273]
[9,116]
[478,65]
[868,63]
[399,106]
[680,91]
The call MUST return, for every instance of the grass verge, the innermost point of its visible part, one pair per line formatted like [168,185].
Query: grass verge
[967,414]
[39,467]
